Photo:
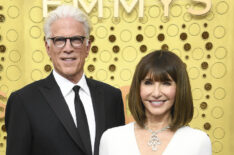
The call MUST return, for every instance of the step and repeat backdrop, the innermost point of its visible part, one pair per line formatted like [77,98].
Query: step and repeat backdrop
[201,32]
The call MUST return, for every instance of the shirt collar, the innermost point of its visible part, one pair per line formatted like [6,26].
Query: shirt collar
[66,86]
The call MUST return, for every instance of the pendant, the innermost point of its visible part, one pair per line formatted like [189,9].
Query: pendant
[154,141]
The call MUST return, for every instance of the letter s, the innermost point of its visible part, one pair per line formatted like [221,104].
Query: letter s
[201,12]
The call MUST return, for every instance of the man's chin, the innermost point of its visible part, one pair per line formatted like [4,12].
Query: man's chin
[71,76]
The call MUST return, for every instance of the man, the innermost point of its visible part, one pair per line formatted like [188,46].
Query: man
[41,118]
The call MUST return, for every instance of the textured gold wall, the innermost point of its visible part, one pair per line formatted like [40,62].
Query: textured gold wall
[205,44]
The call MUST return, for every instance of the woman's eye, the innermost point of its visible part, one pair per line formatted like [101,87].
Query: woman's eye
[168,83]
[147,82]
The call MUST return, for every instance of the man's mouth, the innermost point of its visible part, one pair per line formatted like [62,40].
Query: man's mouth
[68,59]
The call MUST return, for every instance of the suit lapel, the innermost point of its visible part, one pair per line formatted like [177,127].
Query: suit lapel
[53,95]
[99,109]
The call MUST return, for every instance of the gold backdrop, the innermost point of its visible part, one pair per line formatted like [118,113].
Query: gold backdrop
[205,43]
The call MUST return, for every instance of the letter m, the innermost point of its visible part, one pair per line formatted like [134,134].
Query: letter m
[89,7]
[128,8]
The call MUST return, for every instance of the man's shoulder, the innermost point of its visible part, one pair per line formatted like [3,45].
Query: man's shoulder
[31,86]
[100,84]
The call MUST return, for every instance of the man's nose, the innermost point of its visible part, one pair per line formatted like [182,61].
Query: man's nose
[68,47]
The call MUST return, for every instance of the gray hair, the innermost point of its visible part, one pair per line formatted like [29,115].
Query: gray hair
[64,11]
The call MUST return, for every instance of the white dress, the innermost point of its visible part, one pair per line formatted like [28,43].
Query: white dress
[186,141]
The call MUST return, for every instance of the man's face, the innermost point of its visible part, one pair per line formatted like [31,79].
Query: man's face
[68,61]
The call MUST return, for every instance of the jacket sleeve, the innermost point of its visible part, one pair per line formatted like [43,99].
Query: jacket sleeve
[17,127]
[121,111]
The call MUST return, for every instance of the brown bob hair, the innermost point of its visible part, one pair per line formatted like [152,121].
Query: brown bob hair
[159,64]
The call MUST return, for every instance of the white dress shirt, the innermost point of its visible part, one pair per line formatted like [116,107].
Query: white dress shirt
[66,88]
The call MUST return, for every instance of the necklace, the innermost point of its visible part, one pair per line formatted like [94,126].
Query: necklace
[154,141]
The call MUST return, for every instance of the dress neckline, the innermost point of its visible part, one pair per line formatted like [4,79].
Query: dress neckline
[168,145]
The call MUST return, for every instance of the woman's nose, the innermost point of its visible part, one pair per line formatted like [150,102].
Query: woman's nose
[156,90]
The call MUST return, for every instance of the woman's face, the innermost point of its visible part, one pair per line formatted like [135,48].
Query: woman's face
[157,97]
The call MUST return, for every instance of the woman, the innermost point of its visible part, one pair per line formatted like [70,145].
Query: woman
[160,101]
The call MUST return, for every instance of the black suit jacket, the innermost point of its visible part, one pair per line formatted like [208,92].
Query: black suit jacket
[38,120]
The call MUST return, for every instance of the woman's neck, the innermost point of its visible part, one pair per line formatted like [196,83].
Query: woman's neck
[157,123]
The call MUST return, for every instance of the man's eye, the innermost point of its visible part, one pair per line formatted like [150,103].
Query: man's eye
[76,39]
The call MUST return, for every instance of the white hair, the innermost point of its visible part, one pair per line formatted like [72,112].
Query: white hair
[64,11]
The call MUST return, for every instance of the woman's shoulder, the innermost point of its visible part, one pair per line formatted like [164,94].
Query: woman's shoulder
[192,132]
[191,141]
[118,140]
[118,133]
[188,134]
[120,129]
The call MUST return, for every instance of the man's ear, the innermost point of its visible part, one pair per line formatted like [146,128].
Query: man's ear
[88,46]
[47,48]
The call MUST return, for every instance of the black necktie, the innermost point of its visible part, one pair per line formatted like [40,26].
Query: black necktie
[82,124]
